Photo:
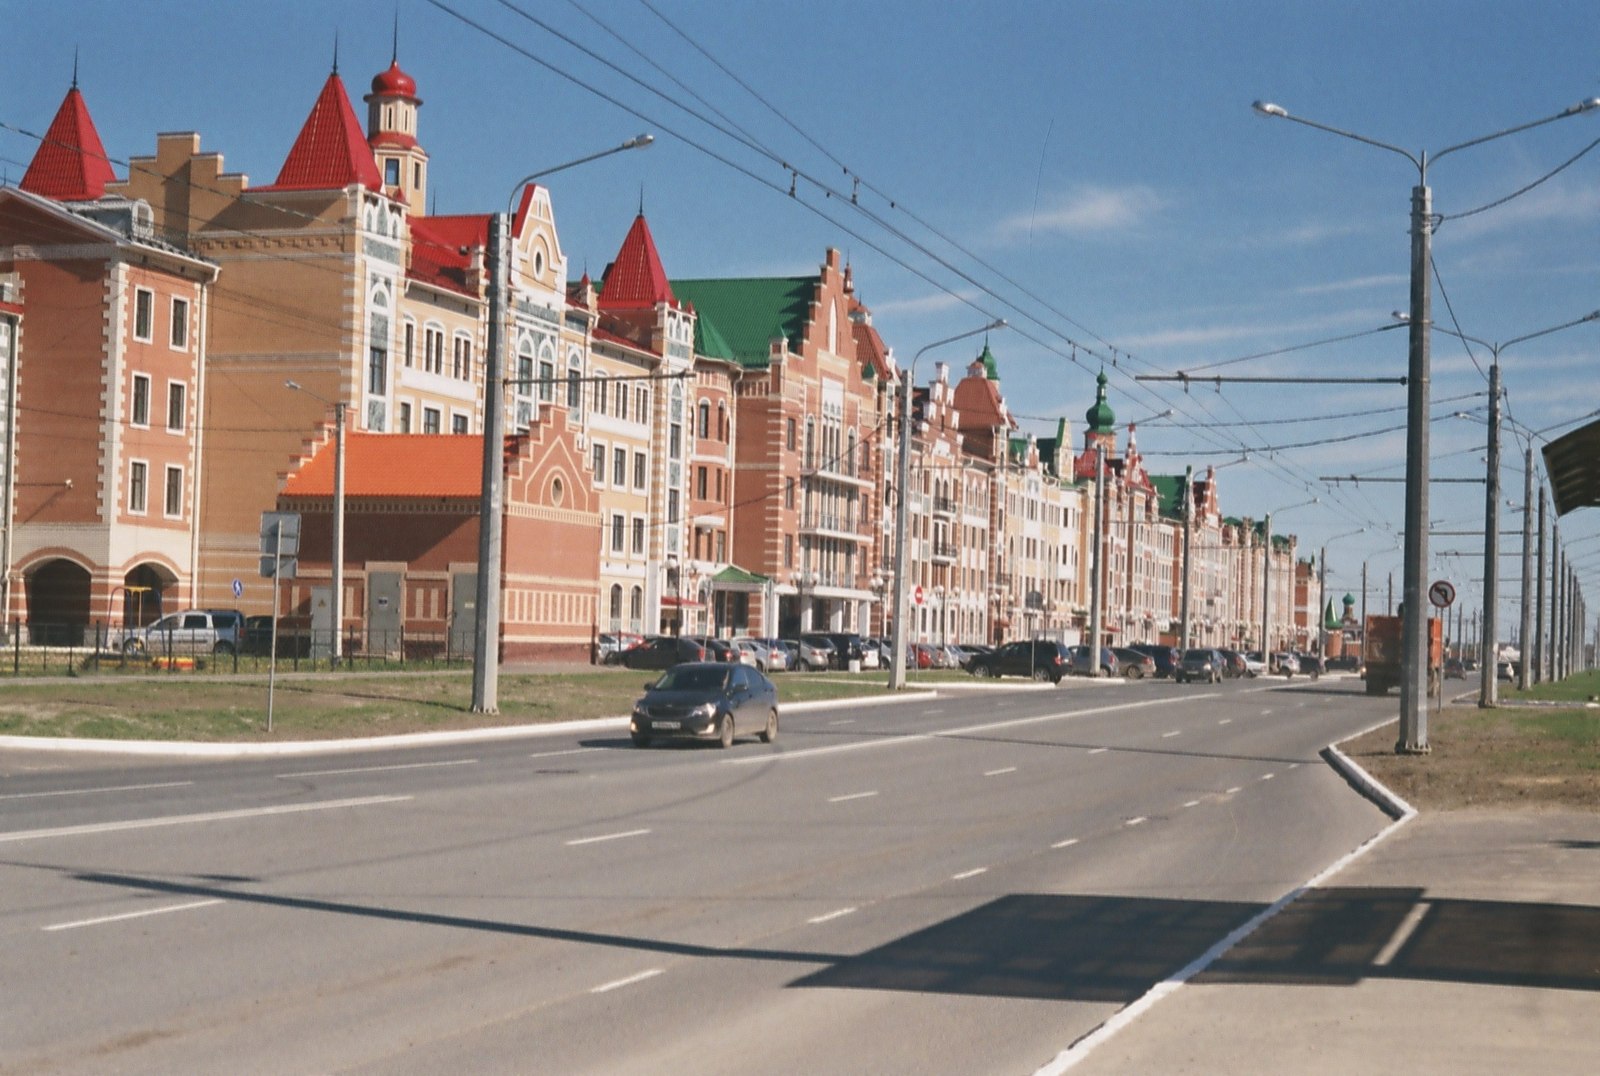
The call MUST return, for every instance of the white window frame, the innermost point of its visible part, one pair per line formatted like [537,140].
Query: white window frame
[460,419]
[142,487]
[178,332]
[182,390]
[599,453]
[403,417]
[166,490]
[133,402]
[438,417]
[144,298]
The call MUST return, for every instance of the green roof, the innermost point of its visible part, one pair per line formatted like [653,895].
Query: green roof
[741,318]
[735,574]
[1100,416]
[1169,494]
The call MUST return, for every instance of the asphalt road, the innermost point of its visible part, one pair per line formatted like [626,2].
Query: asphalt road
[961,885]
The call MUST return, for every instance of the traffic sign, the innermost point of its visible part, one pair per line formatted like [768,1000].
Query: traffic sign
[916,595]
[238,588]
[280,533]
[1442,593]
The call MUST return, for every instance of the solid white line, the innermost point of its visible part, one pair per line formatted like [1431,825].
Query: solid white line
[1169,735]
[967,730]
[1232,790]
[973,873]
[132,915]
[1068,843]
[1402,934]
[629,981]
[831,915]
[1098,750]
[377,769]
[1136,821]
[91,791]
[189,819]
[851,796]
[1192,803]
[997,773]
[570,751]
[608,837]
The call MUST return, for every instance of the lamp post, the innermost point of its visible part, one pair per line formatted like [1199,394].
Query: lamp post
[902,511]
[338,519]
[1414,683]
[491,504]
[1488,673]
[1266,579]
[1322,594]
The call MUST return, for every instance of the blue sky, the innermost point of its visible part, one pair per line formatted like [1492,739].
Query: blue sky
[1092,171]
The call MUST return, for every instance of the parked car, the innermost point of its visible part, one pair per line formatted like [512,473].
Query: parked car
[714,701]
[194,631]
[814,653]
[1081,665]
[663,652]
[1040,659]
[768,655]
[1285,662]
[257,638]
[923,656]
[1135,664]
[715,649]
[1202,663]
[1234,665]
[610,645]
[846,646]
[1254,664]
[1454,669]
[1166,657]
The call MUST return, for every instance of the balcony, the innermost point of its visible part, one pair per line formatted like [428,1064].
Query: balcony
[843,525]
[945,552]
[944,506]
[843,471]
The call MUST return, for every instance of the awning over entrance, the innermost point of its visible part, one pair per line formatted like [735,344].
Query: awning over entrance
[736,578]
[1573,463]
[672,601]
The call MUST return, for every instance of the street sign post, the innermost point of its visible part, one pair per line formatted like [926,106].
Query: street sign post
[280,544]
[1442,593]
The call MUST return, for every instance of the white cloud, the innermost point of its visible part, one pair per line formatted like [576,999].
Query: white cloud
[1086,210]
[1359,283]
[923,304]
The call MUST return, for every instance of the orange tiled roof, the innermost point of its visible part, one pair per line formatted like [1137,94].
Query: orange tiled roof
[70,164]
[331,151]
[411,465]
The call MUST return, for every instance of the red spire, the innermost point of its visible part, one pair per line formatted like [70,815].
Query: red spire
[70,164]
[636,280]
[331,151]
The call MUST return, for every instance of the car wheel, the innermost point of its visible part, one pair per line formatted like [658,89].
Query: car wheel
[725,740]
[1134,673]
[1176,679]
[770,733]
[224,649]
[133,646]
[1041,675]
[641,740]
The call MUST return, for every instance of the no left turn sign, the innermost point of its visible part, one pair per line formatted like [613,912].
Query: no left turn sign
[1442,594]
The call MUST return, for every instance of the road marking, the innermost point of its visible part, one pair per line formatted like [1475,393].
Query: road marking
[938,710]
[1265,713]
[973,873]
[997,773]
[1226,721]
[378,769]
[1294,765]
[617,984]
[608,837]
[1192,803]
[1136,821]
[844,721]
[569,751]
[190,819]
[1232,790]
[1268,776]
[1402,934]
[956,733]
[92,791]
[131,915]
[1170,735]
[831,915]
[1098,750]
[1068,843]
[851,796]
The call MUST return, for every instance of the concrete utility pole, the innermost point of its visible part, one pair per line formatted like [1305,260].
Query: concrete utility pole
[1525,674]
[1539,650]
[1188,531]
[1488,671]
[1097,592]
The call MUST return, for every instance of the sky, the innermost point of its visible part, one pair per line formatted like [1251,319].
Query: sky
[1092,171]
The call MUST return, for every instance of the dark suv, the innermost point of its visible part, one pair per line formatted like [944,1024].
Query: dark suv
[1167,657]
[1040,659]
[847,646]
[1202,664]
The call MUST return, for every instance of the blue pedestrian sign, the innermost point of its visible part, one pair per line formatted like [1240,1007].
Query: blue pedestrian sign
[238,589]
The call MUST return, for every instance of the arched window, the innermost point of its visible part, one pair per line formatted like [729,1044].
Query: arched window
[616,605]
[524,367]
[705,420]
[575,382]
[602,393]
[722,422]
[636,606]
[547,372]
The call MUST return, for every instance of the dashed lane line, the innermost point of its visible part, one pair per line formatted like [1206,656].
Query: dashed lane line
[973,873]
[617,984]
[378,769]
[838,913]
[131,915]
[1068,843]
[607,837]
[194,819]
[850,796]
[997,773]
[92,791]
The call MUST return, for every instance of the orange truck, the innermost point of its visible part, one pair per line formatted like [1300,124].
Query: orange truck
[1382,655]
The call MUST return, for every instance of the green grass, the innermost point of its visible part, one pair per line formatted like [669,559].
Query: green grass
[186,706]
[1580,687]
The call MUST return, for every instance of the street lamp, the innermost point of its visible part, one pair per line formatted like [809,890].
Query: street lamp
[1414,683]
[491,504]
[1322,593]
[1266,579]
[902,511]
[338,518]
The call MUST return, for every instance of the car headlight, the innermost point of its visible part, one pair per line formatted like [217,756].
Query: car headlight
[704,711]
[640,712]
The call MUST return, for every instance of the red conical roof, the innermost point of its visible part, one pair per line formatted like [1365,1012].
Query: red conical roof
[636,280]
[331,151]
[70,164]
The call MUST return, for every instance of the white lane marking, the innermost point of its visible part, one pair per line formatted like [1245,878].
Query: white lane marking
[1226,721]
[1402,934]
[190,819]
[1068,843]
[132,915]
[997,773]
[569,751]
[92,791]
[1294,765]
[1268,776]
[1192,803]
[1232,790]
[378,769]
[843,721]
[851,796]
[1265,713]
[1169,735]
[1136,821]
[973,873]
[1098,750]
[617,984]
[967,730]
[937,710]
[840,913]
[608,837]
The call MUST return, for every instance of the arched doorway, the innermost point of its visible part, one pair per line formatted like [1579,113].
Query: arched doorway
[144,594]
[58,603]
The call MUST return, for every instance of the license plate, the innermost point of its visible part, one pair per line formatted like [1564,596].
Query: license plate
[666,724]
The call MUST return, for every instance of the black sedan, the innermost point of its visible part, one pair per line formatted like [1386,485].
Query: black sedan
[662,652]
[706,701]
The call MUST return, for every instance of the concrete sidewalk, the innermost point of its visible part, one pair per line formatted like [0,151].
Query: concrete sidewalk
[1464,942]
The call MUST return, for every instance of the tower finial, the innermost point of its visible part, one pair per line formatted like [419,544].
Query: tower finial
[394,50]
[74,67]
[336,52]
[641,199]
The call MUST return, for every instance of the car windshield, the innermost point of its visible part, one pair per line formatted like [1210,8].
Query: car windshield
[691,678]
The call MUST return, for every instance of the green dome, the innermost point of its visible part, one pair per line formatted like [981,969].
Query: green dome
[990,370]
[1100,417]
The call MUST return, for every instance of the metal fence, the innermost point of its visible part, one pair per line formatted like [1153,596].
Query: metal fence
[51,648]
